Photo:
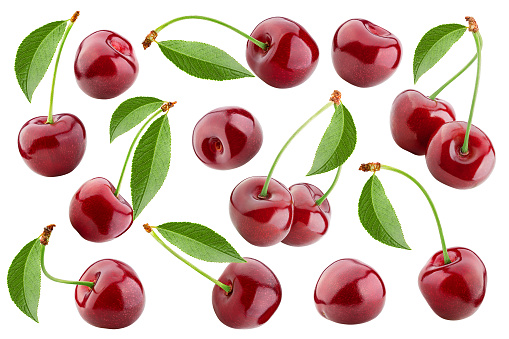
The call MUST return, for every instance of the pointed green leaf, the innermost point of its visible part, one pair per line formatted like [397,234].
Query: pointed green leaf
[24,279]
[434,45]
[130,113]
[377,215]
[199,242]
[34,55]
[337,144]
[151,162]
[202,60]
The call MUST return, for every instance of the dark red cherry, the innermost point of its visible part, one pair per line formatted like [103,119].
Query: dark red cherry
[310,222]
[52,149]
[105,65]
[262,221]
[365,54]
[450,166]
[97,214]
[227,137]
[253,299]
[456,290]
[291,57]
[415,118]
[117,298]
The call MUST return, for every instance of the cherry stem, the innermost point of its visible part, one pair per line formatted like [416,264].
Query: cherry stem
[66,33]
[265,188]
[225,287]
[447,260]
[478,45]
[117,191]
[260,44]
[321,200]
[83,283]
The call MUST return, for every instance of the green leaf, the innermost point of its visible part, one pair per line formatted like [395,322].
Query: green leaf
[34,55]
[377,215]
[24,278]
[337,144]
[151,162]
[203,61]
[199,242]
[130,113]
[434,45]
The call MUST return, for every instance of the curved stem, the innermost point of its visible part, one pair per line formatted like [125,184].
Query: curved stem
[66,33]
[225,287]
[117,191]
[260,44]
[321,200]
[83,283]
[477,38]
[447,260]
[265,188]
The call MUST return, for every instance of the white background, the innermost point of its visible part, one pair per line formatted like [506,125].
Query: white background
[178,299]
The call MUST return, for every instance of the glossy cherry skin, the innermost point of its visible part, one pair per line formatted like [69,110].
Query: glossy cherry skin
[291,57]
[454,291]
[310,222]
[227,137]
[415,118]
[349,292]
[365,54]
[105,65]
[97,214]
[261,221]
[449,166]
[117,298]
[52,149]
[255,295]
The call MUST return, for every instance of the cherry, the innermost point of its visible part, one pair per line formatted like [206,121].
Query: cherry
[449,165]
[227,137]
[310,221]
[456,290]
[365,54]
[254,296]
[262,221]
[97,214]
[291,56]
[349,292]
[117,298]
[414,119]
[52,149]
[105,65]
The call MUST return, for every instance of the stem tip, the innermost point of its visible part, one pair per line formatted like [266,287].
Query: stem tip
[147,228]
[75,16]
[167,105]
[370,167]
[151,37]
[336,97]
[472,24]
[44,238]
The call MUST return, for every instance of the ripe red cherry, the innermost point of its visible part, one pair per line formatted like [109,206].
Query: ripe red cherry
[349,292]
[415,118]
[262,221]
[117,298]
[450,166]
[456,290]
[105,65]
[291,57]
[255,295]
[365,54]
[52,149]
[227,137]
[310,222]
[97,214]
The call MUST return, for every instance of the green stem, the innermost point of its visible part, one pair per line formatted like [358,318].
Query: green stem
[447,260]
[83,283]
[117,191]
[477,38]
[66,33]
[321,200]
[260,44]
[225,287]
[265,188]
